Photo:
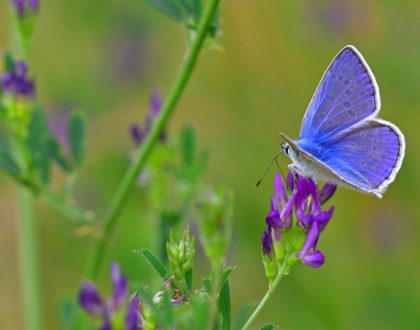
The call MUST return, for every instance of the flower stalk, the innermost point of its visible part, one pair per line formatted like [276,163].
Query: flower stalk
[121,194]
[28,255]
[272,287]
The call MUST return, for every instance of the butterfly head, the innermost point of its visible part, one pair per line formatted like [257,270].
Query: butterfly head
[285,148]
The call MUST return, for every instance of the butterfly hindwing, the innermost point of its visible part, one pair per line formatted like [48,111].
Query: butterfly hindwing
[367,157]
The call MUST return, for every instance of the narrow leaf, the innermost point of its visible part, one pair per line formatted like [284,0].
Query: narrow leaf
[189,279]
[57,154]
[268,327]
[168,312]
[168,8]
[207,284]
[7,163]
[243,315]
[37,142]
[77,133]
[225,306]
[154,262]
[224,275]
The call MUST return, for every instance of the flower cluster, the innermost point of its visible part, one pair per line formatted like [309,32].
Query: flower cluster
[138,134]
[15,81]
[296,236]
[25,8]
[94,304]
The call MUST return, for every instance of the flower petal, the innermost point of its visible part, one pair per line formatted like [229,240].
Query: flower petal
[155,104]
[324,217]
[119,285]
[89,299]
[290,180]
[279,188]
[311,240]
[133,317]
[327,192]
[267,242]
[273,219]
[314,260]
[286,212]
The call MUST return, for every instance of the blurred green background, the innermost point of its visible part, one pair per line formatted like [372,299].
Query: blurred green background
[105,56]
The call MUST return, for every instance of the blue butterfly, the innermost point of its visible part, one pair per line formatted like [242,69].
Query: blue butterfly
[341,139]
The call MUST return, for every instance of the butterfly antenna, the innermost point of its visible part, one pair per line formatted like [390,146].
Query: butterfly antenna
[274,159]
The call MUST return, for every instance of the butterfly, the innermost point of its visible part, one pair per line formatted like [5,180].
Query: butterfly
[342,140]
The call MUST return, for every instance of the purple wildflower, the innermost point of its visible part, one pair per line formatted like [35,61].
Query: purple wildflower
[90,299]
[137,133]
[16,81]
[25,8]
[92,302]
[267,242]
[133,317]
[306,200]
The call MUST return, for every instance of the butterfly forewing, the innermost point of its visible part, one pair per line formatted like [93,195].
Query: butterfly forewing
[346,95]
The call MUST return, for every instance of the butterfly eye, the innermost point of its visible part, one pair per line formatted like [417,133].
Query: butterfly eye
[285,148]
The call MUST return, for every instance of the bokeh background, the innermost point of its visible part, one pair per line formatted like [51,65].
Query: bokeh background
[105,57]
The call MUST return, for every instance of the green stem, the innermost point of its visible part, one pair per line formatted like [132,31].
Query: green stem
[214,296]
[120,196]
[29,279]
[282,271]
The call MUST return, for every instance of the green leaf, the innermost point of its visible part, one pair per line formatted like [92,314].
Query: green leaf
[225,306]
[168,312]
[207,284]
[57,154]
[268,327]
[154,262]
[224,275]
[169,8]
[189,279]
[77,136]
[37,143]
[7,163]
[243,315]
[188,145]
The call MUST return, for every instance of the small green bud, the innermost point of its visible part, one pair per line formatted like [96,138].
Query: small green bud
[181,255]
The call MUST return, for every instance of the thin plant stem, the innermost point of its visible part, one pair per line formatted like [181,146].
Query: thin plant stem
[214,296]
[142,154]
[29,271]
[282,271]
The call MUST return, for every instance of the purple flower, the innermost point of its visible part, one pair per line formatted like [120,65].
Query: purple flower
[90,299]
[267,242]
[119,285]
[16,81]
[25,8]
[92,302]
[301,195]
[133,317]
[137,133]
[327,192]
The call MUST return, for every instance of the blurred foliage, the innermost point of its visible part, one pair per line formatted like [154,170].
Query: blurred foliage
[106,56]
